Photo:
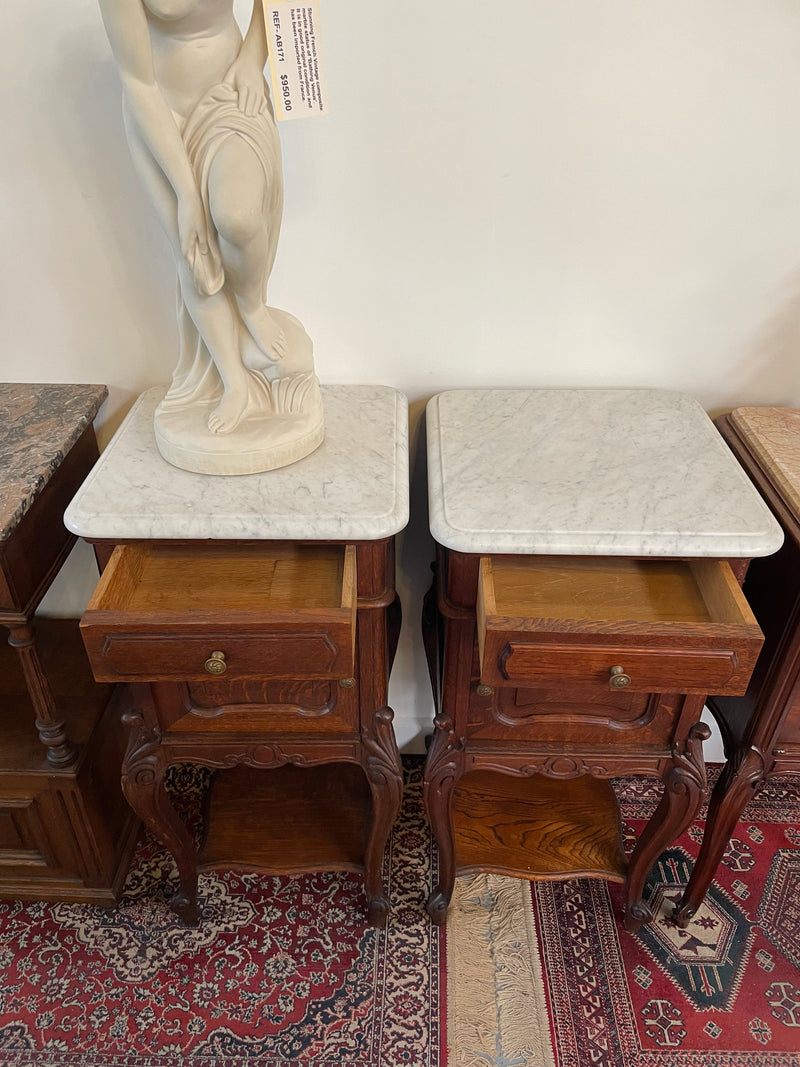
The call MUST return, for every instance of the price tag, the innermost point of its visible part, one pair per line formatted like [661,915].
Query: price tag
[295,58]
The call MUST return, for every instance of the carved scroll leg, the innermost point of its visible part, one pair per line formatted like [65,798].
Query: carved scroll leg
[443,769]
[684,786]
[736,786]
[385,776]
[143,771]
[52,729]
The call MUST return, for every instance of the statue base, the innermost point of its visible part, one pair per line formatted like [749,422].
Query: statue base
[262,441]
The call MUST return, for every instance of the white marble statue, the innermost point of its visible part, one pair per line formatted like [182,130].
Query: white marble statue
[200,126]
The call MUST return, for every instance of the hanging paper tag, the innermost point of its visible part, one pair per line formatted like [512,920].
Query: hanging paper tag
[295,58]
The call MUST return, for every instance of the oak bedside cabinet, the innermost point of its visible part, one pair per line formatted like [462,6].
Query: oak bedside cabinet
[590,545]
[761,728]
[255,620]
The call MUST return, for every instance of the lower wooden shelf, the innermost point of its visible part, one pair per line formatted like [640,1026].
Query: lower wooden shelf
[537,827]
[287,820]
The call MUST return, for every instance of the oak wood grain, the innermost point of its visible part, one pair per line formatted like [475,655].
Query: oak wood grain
[537,827]
[288,820]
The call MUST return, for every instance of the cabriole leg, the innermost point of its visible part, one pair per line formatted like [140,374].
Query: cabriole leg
[385,776]
[143,770]
[684,786]
[736,786]
[443,769]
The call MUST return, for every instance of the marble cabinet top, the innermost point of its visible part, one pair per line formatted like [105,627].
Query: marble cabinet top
[773,437]
[354,487]
[39,424]
[633,472]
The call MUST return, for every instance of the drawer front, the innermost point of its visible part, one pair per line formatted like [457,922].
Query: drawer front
[646,626]
[166,612]
[170,656]
[664,669]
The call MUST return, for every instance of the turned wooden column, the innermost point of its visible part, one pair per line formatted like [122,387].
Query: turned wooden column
[61,752]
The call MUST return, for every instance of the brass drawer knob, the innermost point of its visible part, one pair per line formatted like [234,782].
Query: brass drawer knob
[215,664]
[619,679]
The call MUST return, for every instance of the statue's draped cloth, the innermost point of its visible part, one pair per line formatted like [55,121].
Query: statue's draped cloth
[216,118]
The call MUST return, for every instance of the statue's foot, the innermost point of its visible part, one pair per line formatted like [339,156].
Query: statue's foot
[267,334]
[230,411]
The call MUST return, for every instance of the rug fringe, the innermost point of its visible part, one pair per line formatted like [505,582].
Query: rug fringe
[497,1012]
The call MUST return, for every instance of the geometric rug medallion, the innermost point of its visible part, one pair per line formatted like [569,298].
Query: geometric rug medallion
[707,960]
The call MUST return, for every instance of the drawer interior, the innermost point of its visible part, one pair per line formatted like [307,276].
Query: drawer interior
[610,590]
[215,578]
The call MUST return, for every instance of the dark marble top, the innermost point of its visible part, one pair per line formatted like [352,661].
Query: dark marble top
[39,424]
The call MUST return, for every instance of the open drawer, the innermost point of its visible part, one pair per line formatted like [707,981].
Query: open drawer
[649,625]
[177,612]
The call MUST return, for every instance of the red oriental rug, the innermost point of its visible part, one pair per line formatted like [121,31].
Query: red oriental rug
[280,972]
[558,982]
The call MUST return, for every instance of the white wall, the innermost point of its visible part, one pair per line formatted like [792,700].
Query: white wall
[538,192]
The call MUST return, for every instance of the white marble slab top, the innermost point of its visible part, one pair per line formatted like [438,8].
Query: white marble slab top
[354,487]
[617,472]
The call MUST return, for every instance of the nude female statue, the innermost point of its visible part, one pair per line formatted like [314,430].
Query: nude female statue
[202,135]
